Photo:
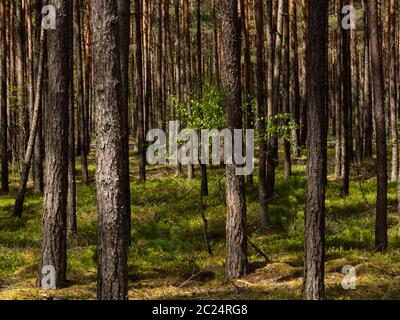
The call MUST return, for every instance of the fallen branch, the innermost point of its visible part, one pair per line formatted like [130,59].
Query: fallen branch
[188,280]
[259,251]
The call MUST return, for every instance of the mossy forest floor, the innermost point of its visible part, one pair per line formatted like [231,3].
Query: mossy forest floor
[168,260]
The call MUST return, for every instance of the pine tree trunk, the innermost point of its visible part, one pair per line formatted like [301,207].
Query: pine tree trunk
[3,101]
[304,93]
[286,88]
[71,199]
[355,72]
[21,108]
[178,69]
[347,103]
[367,87]
[316,82]
[19,203]
[393,90]
[261,112]
[273,105]
[88,96]
[111,171]
[148,73]
[139,92]
[215,42]
[294,58]
[54,229]
[380,127]
[187,67]
[124,11]
[38,155]
[236,238]
[338,96]
[80,92]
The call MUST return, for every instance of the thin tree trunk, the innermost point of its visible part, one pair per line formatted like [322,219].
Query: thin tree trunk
[294,58]
[203,167]
[236,238]
[304,93]
[148,82]
[393,89]
[124,14]
[22,110]
[159,70]
[261,112]
[367,87]
[38,155]
[347,104]
[187,67]
[19,203]
[88,78]
[272,153]
[178,70]
[286,87]
[80,92]
[3,101]
[355,71]
[139,92]
[71,199]
[338,95]
[215,42]
[380,127]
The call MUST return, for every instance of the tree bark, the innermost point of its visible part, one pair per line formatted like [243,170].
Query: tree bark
[80,92]
[19,203]
[54,229]
[355,71]
[139,92]
[111,170]
[88,96]
[347,103]
[286,88]
[339,95]
[380,127]
[367,87]
[38,155]
[236,238]
[294,57]
[71,199]
[273,105]
[21,108]
[393,90]
[316,81]
[304,98]
[215,42]
[261,112]
[124,14]
[3,101]
[187,67]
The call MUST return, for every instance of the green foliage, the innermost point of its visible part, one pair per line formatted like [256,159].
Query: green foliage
[206,112]
[281,126]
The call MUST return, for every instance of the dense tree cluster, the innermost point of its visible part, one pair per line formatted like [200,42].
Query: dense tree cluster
[304,74]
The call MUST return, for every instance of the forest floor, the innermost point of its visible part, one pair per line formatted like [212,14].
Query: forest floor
[168,260]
